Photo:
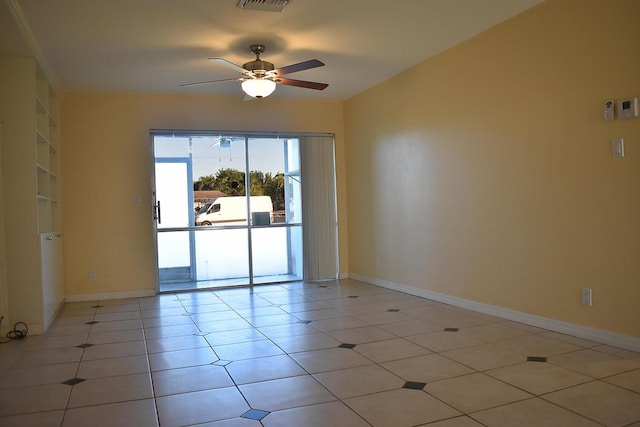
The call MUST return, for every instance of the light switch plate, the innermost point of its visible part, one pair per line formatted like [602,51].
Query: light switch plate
[618,147]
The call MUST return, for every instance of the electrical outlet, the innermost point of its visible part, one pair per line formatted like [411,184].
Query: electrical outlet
[587,297]
[92,275]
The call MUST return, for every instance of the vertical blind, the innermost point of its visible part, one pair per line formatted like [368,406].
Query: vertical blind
[319,216]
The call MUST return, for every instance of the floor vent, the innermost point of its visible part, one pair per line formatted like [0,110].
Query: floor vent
[268,5]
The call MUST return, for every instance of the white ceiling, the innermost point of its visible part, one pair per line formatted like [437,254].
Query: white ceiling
[156,45]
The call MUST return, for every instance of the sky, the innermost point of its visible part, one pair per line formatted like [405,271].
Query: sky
[265,154]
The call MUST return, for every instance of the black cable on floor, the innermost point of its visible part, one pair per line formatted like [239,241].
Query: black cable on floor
[19,331]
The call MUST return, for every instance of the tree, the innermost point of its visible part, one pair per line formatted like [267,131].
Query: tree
[274,187]
[203,183]
[231,182]
[257,182]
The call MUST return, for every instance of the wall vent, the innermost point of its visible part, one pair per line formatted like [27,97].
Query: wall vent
[268,5]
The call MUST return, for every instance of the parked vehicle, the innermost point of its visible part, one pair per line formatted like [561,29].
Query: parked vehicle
[232,210]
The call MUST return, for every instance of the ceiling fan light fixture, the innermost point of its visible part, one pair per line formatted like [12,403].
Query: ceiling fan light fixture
[258,88]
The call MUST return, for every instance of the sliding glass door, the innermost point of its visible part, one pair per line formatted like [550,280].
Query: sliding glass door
[228,210]
[276,248]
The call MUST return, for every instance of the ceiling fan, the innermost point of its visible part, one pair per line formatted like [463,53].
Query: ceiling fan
[259,78]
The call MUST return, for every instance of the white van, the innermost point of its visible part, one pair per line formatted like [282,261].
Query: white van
[232,210]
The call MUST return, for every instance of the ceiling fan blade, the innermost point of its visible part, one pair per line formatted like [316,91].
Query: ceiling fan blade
[208,82]
[300,66]
[226,63]
[302,83]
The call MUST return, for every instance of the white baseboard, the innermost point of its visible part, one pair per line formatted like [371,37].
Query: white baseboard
[342,276]
[49,321]
[110,295]
[592,334]
[35,329]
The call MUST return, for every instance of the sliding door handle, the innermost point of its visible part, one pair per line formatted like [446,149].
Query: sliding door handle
[157,215]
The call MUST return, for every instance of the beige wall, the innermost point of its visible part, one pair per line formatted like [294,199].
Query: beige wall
[106,162]
[486,172]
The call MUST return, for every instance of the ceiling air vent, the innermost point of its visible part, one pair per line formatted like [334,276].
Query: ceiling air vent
[269,5]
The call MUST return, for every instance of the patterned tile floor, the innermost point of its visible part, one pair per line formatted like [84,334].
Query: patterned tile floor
[337,354]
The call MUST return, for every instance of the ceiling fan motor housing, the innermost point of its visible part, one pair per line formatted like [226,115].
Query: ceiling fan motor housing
[258,65]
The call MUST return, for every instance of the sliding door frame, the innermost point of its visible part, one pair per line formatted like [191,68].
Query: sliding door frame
[246,135]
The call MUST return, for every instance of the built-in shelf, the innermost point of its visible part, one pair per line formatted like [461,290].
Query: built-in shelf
[30,204]
[47,159]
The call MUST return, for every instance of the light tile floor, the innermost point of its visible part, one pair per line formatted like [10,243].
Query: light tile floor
[336,354]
